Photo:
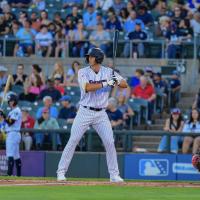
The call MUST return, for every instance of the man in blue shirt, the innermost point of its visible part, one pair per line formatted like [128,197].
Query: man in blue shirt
[89,17]
[138,47]
[113,22]
[130,23]
[26,36]
[67,112]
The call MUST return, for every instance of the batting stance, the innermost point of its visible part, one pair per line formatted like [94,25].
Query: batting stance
[13,138]
[95,82]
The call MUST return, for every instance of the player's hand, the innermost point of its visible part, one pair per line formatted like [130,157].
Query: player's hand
[115,79]
[110,82]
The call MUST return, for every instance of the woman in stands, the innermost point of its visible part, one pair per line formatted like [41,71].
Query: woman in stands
[192,126]
[173,124]
[58,69]
[72,74]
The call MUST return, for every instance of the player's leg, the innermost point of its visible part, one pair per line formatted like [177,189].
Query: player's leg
[80,125]
[17,159]
[104,129]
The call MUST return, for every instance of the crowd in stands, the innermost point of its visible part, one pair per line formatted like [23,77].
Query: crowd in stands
[52,28]
[51,102]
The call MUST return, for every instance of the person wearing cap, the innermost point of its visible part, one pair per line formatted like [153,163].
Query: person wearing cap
[173,124]
[100,38]
[27,122]
[3,76]
[138,47]
[114,114]
[46,122]
[78,37]
[192,126]
[89,17]
[67,112]
[58,85]
[175,86]
[50,90]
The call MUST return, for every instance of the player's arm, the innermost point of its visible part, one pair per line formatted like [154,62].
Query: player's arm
[120,81]
[92,86]
[123,84]
[9,121]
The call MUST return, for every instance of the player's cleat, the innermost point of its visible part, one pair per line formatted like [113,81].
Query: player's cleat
[116,179]
[61,177]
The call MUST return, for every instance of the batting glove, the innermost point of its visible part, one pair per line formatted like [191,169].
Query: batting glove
[109,83]
[116,79]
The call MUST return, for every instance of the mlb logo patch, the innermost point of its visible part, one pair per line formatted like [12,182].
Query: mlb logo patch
[153,167]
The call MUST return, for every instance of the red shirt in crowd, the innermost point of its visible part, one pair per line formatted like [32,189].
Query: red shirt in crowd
[60,88]
[143,93]
[29,123]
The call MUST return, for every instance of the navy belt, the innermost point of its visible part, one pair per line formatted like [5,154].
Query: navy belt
[94,109]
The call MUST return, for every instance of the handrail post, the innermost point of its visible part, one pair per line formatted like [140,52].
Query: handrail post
[89,141]
[168,143]
[54,140]
[4,46]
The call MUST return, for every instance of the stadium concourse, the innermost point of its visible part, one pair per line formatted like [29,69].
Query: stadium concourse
[68,29]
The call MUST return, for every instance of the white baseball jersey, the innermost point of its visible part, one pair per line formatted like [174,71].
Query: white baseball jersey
[16,115]
[98,98]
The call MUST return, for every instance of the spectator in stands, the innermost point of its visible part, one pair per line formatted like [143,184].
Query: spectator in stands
[14,28]
[39,4]
[195,22]
[74,15]
[159,9]
[23,16]
[67,112]
[185,32]
[135,80]
[50,90]
[159,83]
[78,37]
[149,73]
[72,74]
[114,114]
[163,27]
[89,17]
[99,19]
[126,110]
[175,86]
[2,128]
[4,29]
[36,69]
[130,23]
[113,22]
[19,3]
[27,122]
[35,22]
[118,5]
[137,36]
[58,85]
[173,124]
[48,103]
[57,20]
[32,88]
[69,27]
[60,42]
[44,42]
[123,15]
[146,91]
[46,122]
[144,15]
[192,126]
[100,38]
[58,69]
[90,2]
[3,76]
[125,92]
[177,15]
[26,36]
[173,42]
[44,18]
[20,77]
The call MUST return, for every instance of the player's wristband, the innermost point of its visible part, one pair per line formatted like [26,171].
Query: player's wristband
[104,84]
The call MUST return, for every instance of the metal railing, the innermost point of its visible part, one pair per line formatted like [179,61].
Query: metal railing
[7,45]
[126,136]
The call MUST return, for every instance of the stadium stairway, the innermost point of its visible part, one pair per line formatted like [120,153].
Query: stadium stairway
[150,143]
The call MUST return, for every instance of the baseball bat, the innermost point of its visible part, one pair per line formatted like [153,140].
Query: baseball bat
[115,42]
[6,89]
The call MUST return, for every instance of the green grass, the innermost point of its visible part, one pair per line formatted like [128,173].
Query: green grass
[97,193]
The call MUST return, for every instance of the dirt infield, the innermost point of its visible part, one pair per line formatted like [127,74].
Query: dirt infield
[7,182]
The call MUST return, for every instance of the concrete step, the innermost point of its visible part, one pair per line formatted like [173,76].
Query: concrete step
[155,127]
[188,94]
[146,139]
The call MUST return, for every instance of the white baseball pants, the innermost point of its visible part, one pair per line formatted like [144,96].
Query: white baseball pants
[101,123]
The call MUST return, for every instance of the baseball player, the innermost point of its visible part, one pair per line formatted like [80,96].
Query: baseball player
[95,83]
[13,138]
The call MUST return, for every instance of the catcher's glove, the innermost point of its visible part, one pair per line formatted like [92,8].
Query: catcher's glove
[196,161]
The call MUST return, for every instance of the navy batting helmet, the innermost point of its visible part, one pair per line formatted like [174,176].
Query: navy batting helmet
[13,97]
[97,53]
